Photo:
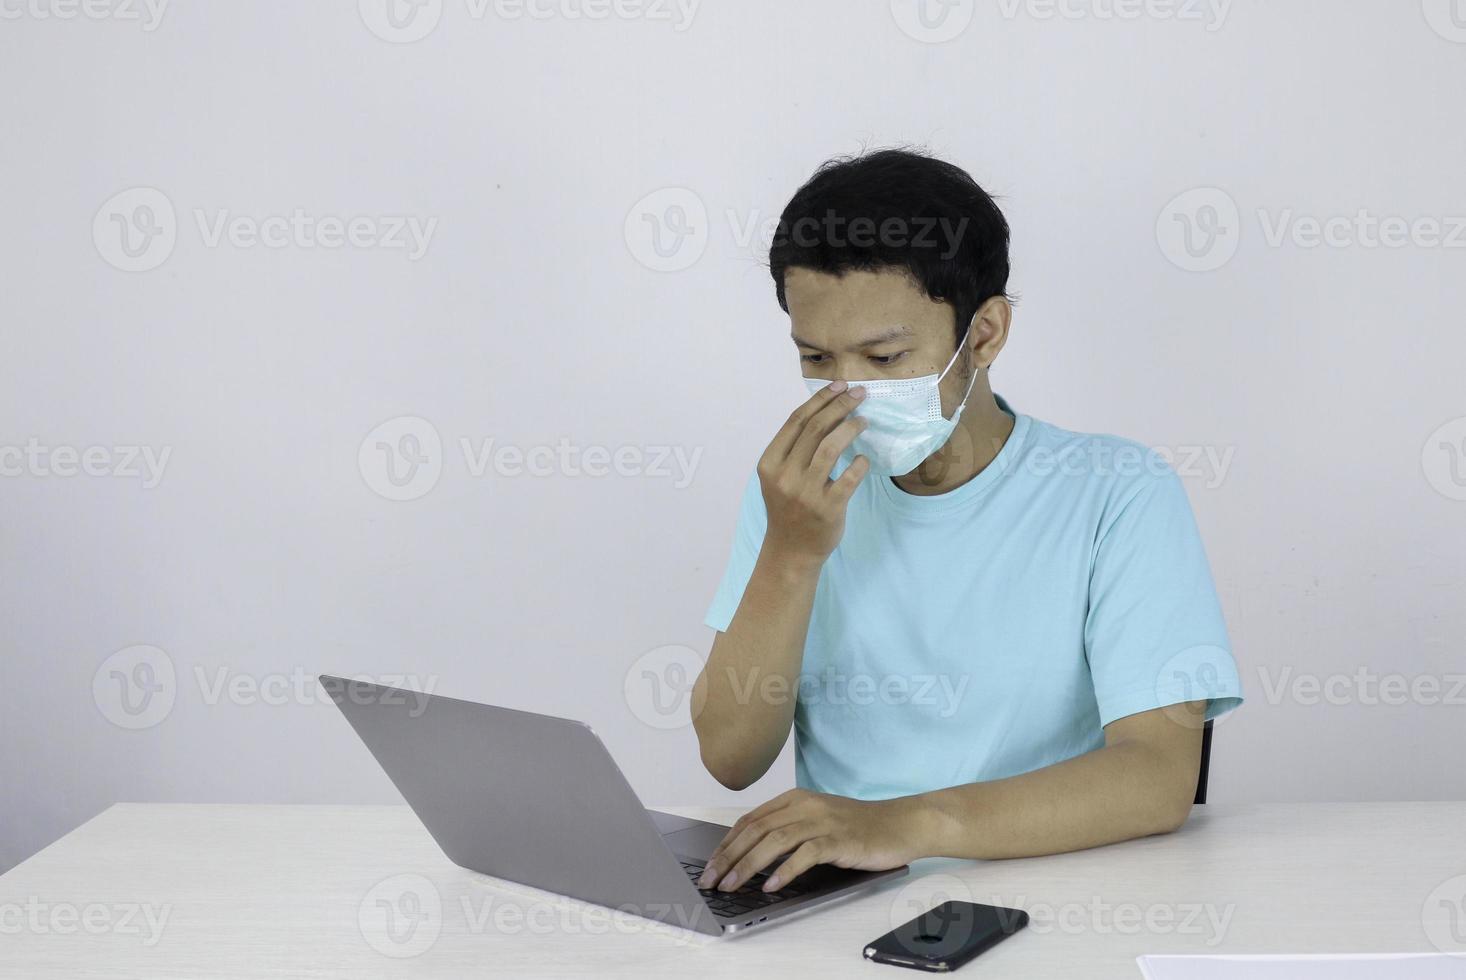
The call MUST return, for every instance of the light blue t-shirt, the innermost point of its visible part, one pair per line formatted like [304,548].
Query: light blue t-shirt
[995,629]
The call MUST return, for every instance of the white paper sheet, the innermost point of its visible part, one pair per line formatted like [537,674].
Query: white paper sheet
[1384,966]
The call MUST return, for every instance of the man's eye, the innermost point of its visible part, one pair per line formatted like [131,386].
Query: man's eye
[885,359]
[811,358]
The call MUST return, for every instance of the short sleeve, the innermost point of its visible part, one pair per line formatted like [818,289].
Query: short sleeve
[1154,633]
[748,538]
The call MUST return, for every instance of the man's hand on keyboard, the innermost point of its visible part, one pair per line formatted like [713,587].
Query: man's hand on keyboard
[813,828]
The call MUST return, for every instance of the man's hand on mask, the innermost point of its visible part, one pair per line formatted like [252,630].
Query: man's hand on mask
[806,509]
[812,828]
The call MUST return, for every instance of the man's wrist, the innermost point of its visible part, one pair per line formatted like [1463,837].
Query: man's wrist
[923,825]
[791,566]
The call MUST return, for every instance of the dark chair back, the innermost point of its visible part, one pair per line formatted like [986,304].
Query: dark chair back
[1205,763]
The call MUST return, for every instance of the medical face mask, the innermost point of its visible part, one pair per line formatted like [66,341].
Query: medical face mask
[904,423]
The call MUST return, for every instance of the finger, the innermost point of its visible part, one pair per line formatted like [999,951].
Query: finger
[844,487]
[780,840]
[738,844]
[762,810]
[783,440]
[739,841]
[822,423]
[834,444]
[805,856]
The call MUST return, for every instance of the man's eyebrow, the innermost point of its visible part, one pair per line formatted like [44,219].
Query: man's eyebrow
[885,336]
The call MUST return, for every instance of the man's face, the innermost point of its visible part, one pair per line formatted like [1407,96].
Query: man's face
[866,326]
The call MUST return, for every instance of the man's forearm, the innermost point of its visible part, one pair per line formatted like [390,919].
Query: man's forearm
[1112,794]
[743,703]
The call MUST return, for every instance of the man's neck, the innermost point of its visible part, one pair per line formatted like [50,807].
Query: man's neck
[980,435]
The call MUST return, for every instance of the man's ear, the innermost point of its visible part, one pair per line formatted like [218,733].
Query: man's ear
[989,330]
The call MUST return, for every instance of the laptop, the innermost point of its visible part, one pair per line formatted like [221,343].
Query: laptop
[538,800]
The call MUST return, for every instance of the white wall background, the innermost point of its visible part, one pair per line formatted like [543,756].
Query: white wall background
[264,555]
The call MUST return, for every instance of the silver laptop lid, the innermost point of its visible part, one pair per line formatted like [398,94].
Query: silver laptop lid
[522,796]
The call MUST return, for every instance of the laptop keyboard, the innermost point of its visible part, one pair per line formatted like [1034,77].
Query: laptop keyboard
[747,897]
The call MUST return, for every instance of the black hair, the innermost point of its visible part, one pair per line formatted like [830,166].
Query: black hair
[897,208]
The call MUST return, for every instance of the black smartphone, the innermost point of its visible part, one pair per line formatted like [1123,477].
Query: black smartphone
[942,939]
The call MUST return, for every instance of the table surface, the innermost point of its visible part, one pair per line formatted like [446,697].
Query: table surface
[174,890]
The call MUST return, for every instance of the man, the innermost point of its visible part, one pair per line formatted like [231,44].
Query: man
[991,637]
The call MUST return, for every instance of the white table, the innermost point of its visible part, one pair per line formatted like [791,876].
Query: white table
[175,891]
